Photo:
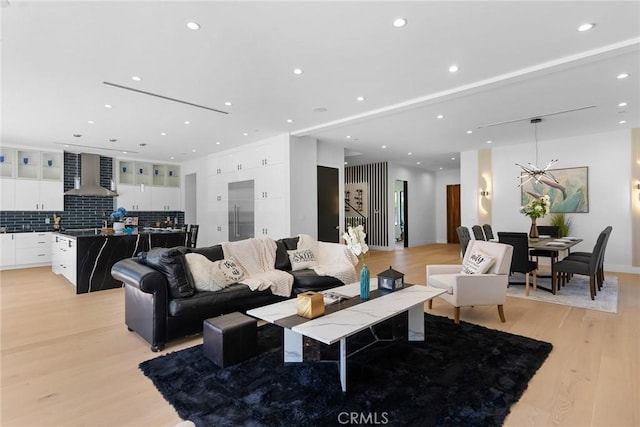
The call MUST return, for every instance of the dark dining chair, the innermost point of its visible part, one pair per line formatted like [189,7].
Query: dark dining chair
[488,231]
[586,257]
[464,237]
[520,262]
[192,235]
[546,230]
[562,269]
[477,232]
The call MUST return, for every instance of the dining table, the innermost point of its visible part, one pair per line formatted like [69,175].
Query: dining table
[553,244]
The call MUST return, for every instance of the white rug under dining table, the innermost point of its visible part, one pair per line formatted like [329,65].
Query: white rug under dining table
[575,293]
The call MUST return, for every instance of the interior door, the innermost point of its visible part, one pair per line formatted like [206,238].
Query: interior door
[453,212]
[328,205]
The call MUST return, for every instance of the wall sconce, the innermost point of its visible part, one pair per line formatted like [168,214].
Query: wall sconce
[484,193]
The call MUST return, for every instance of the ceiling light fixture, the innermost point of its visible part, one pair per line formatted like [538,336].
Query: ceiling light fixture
[193,151]
[469,131]
[622,104]
[108,106]
[172,157]
[360,98]
[384,146]
[163,133]
[399,22]
[289,120]
[417,163]
[217,142]
[439,116]
[112,140]
[297,71]
[409,154]
[91,122]
[193,26]
[245,134]
[136,78]
[586,27]
[532,171]
[187,122]
[489,142]
[454,68]
[622,122]
[622,76]
[228,104]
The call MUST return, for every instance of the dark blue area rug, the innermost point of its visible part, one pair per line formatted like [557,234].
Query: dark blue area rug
[461,375]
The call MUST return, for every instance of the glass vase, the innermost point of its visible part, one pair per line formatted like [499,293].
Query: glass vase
[364,282]
[533,231]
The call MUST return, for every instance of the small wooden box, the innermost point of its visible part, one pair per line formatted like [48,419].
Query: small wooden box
[310,305]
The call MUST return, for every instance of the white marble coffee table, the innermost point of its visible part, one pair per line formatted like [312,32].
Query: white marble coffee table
[340,325]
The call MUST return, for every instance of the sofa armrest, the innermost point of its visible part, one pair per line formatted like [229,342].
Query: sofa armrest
[443,269]
[140,276]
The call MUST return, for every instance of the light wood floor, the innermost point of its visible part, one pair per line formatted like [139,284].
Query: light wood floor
[68,360]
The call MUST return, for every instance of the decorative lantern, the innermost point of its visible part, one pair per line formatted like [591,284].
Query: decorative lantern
[390,280]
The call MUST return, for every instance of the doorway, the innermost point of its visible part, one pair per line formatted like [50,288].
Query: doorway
[328,205]
[400,213]
[453,212]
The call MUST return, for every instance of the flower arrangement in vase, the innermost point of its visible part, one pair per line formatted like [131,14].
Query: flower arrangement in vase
[356,243]
[536,208]
[117,217]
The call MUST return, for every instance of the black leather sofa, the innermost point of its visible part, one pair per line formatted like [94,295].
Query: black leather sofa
[160,311]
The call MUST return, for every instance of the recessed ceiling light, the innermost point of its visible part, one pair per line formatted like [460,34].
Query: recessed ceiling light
[289,120]
[193,25]
[622,104]
[417,163]
[623,76]
[399,22]
[348,136]
[439,116]
[586,27]
[384,146]
[172,157]
[622,122]
[409,154]
[124,152]
[91,122]
[228,104]
[163,133]
[469,131]
[112,140]
[453,158]
[454,68]
[217,142]
[441,168]
[136,78]
[193,151]
[108,106]
[489,142]
[187,122]
[245,134]
[66,145]
[297,71]
[346,163]
[360,98]
[77,135]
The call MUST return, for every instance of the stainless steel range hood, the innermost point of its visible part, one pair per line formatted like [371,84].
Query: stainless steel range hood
[90,178]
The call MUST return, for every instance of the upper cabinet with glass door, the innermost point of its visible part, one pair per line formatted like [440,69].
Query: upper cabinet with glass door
[156,174]
[31,164]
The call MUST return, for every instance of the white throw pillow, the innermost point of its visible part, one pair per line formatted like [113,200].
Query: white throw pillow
[478,263]
[212,275]
[301,259]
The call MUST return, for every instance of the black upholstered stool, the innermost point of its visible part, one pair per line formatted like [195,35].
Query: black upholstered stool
[229,339]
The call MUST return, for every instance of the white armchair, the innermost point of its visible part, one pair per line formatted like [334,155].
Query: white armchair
[489,288]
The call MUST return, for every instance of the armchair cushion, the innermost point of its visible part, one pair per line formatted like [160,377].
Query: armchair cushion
[478,262]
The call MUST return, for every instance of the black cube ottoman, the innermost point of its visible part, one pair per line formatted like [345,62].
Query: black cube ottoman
[230,338]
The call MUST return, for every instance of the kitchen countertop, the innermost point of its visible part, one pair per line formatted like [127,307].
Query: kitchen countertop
[98,232]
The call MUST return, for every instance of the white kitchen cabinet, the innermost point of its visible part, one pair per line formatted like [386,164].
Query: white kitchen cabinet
[34,195]
[7,250]
[269,153]
[33,249]
[134,197]
[64,260]
[269,218]
[8,191]
[165,199]
[269,181]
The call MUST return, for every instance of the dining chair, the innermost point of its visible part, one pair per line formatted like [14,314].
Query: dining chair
[586,257]
[560,270]
[551,231]
[478,233]
[488,232]
[464,237]
[520,262]
[463,289]
[192,235]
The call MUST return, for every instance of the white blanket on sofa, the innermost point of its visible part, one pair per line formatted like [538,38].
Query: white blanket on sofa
[257,258]
[334,259]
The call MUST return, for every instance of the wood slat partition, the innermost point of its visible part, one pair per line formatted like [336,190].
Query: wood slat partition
[376,175]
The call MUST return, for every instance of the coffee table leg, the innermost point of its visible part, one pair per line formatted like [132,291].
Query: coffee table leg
[343,363]
[292,346]
[416,323]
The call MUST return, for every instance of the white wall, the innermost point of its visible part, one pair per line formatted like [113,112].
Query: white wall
[607,157]
[304,186]
[199,167]
[443,178]
[469,187]
[421,209]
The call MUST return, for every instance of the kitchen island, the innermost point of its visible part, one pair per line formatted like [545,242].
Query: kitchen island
[85,256]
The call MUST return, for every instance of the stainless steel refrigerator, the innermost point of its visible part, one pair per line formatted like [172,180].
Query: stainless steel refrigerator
[241,210]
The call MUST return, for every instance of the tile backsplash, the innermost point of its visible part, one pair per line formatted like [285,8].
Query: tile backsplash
[80,211]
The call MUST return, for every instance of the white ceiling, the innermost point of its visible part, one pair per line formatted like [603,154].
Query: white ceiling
[517,60]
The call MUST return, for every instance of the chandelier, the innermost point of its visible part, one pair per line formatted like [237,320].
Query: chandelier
[532,171]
